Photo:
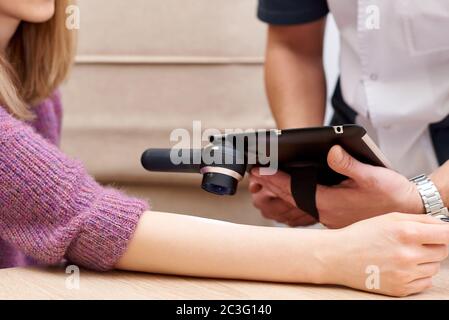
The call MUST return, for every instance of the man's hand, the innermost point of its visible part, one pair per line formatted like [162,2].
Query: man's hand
[369,191]
[273,207]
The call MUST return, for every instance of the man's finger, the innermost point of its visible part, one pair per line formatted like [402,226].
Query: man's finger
[295,213]
[280,178]
[264,200]
[279,184]
[254,187]
[342,162]
[302,220]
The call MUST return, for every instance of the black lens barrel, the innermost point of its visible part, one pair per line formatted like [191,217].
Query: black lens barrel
[220,176]
[218,183]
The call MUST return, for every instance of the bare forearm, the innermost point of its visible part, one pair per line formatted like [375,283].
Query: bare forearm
[186,245]
[296,90]
[294,75]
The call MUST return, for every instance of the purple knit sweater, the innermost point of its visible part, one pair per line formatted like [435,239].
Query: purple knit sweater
[50,208]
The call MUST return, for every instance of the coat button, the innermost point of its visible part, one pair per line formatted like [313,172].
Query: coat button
[374,76]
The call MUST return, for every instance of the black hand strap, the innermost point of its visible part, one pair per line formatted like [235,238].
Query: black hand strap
[303,186]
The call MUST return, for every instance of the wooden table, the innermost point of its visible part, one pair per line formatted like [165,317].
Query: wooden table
[50,283]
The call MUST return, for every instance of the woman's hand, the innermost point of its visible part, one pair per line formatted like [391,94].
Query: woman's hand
[406,250]
[369,191]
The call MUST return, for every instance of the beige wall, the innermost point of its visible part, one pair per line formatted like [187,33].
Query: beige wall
[145,67]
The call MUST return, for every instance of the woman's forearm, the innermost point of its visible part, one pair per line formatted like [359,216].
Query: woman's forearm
[186,245]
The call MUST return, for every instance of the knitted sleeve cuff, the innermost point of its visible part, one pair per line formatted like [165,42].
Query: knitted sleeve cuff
[107,228]
[51,208]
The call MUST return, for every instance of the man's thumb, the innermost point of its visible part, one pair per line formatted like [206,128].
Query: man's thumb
[342,162]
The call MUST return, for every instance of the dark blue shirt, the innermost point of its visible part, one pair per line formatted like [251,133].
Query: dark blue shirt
[291,11]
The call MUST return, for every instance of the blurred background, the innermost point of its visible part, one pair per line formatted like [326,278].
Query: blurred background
[146,67]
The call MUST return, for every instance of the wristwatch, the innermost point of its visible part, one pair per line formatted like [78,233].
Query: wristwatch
[431,197]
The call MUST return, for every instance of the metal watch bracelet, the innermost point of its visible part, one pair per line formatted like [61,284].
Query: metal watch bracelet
[431,197]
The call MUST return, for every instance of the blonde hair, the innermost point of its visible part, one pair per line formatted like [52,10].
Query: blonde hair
[36,61]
